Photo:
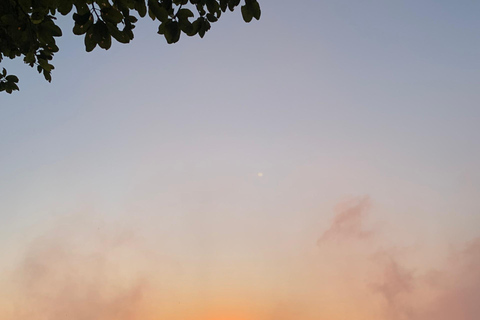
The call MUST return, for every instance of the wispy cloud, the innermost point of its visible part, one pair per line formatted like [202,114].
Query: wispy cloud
[447,291]
[393,283]
[349,221]
[59,279]
[457,286]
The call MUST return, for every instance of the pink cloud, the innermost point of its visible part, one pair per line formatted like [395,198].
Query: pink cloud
[348,222]
[458,287]
[394,283]
[56,280]
[447,291]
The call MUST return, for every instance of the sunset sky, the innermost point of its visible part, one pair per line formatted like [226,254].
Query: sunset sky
[322,163]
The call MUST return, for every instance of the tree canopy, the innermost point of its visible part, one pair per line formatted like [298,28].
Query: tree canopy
[28,28]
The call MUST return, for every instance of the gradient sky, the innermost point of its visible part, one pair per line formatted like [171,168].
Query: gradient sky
[129,186]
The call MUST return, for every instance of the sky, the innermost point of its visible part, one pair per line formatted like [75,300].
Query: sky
[321,163]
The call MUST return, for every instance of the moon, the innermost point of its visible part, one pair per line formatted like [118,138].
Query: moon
[260,174]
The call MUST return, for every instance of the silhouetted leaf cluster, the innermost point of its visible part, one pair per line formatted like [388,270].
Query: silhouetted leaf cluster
[28,28]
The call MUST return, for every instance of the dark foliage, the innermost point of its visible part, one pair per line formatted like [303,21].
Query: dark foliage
[28,28]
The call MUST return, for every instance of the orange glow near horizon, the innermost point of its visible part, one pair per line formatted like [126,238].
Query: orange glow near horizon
[226,317]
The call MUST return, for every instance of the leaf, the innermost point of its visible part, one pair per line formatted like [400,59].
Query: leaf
[232,4]
[14,87]
[47,75]
[111,14]
[131,19]
[82,18]
[212,6]
[255,8]
[37,17]
[247,13]
[53,28]
[12,78]
[117,34]
[65,6]
[106,42]
[223,5]
[82,29]
[141,7]
[158,11]
[90,42]
[211,17]
[172,31]
[204,27]
[30,58]
[45,65]
[184,14]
